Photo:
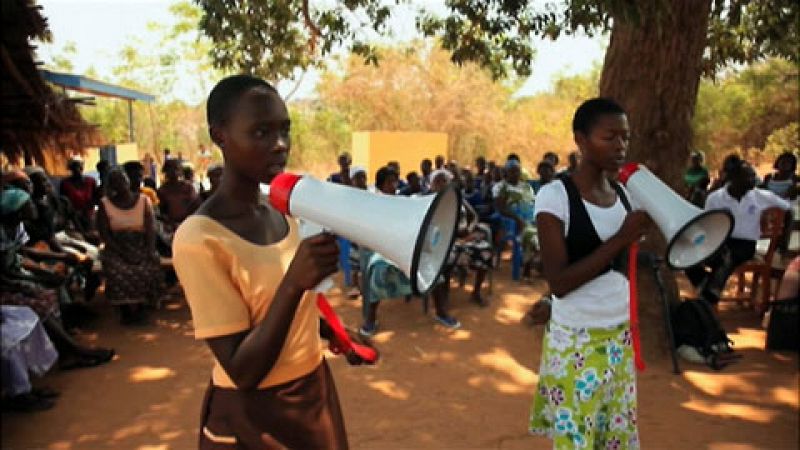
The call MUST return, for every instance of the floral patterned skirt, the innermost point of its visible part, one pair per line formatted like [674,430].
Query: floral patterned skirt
[586,397]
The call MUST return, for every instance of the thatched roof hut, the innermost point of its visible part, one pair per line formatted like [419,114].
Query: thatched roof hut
[35,119]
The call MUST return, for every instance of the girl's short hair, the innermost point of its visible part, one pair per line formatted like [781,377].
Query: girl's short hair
[225,94]
[587,114]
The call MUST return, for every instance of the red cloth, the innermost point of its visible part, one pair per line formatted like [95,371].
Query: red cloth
[79,193]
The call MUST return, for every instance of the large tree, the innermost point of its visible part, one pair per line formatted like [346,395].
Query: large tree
[658,52]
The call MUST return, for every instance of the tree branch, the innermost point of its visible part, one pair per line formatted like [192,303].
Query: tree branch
[296,86]
[315,32]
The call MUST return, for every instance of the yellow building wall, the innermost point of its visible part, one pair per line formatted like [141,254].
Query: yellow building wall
[373,149]
[125,152]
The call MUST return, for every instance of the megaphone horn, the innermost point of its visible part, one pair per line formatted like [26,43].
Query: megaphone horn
[692,234]
[416,233]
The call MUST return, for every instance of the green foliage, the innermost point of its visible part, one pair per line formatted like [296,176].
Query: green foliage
[742,110]
[786,139]
[418,89]
[747,31]
[273,38]
[62,62]
[318,134]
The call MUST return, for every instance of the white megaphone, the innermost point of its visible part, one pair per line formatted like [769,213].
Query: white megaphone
[692,234]
[415,233]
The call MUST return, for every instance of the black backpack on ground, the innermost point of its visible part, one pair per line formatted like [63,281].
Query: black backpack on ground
[696,325]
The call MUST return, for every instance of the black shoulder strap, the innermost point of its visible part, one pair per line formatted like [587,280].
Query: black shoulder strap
[577,212]
[621,193]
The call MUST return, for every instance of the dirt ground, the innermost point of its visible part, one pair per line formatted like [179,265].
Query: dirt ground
[433,388]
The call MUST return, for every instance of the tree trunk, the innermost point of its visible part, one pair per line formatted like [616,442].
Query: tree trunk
[653,70]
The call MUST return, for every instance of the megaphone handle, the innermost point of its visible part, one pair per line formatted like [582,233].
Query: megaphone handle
[368,354]
[633,251]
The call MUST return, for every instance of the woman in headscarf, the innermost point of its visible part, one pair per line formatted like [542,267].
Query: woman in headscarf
[18,286]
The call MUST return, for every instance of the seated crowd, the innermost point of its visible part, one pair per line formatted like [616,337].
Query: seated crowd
[59,246]
[499,205]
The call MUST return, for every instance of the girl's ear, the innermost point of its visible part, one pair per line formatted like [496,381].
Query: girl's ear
[217,136]
[580,140]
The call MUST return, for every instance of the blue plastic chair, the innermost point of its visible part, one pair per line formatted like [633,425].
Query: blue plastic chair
[510,234]
[344,260]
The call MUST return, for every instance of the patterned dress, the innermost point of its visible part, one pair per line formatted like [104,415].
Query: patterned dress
[474,250]
[133,274]
[520,200]
[17,286]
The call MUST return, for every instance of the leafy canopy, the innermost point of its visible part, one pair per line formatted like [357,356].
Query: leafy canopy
[273,38]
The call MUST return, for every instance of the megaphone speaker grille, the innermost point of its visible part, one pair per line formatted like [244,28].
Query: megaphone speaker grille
[435,240]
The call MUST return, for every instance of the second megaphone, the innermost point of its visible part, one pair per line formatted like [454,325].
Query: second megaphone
[416,233]
[692,234]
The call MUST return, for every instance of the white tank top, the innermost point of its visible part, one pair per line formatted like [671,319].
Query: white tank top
[131,219]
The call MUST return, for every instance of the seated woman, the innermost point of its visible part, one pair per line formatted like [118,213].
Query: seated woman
[178,199]
[472,194]
[20,287]
[513,198]
[130,262]
[785,183]
[383,279]
[81,192]
[473,248]
[51,268]
[43,236]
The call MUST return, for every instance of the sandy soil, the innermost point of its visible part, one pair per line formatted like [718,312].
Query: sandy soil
[432,389]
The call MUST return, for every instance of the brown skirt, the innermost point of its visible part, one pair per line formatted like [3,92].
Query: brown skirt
[300,414]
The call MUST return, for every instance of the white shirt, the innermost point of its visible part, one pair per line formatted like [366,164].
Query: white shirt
[603,301]
[747,212]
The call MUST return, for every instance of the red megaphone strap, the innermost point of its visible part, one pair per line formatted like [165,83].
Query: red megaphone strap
[344,343]
[633,252]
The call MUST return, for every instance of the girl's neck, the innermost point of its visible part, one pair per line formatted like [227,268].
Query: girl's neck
[238,189]
[590,175]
